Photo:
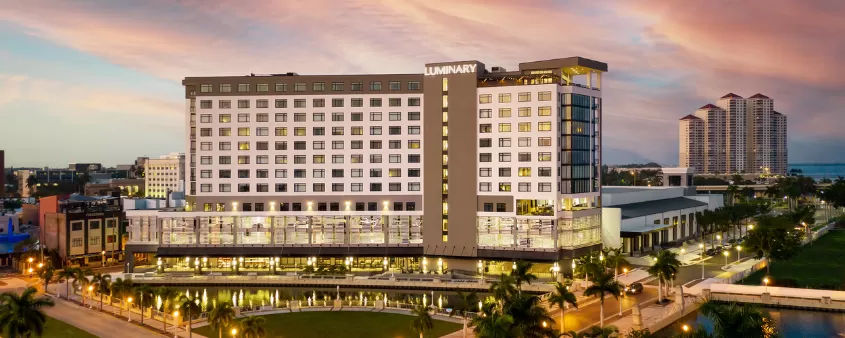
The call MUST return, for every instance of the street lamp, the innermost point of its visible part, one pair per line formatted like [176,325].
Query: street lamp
[30,272]
[40,265]
[234,332]
[30,259]
[726,253]
[738,254]
[701,248]
[719,238]
[513,266]
[104,257]
[751,227]
[129,308]
[481,271]
[90,295]
[685,328]
[766,283]
[555,270]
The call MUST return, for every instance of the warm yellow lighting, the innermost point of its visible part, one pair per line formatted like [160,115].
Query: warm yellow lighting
[624,270]
[683,250]
[685,328]
[701,245]
[176,313]
[234,331]
[103,252]
[545,324]
[726,253]
[30,270]
[751,227]
[766,280]
[30,259]
[40,265]
[738,248]
[90,288]
[129,299]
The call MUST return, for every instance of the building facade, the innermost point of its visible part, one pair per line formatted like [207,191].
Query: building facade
[82,231]
[286,169]
[164,175]
[736,135]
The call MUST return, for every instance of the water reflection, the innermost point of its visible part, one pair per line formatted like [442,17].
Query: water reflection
[789,323]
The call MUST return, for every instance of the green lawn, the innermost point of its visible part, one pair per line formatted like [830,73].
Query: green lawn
[55,328]
[817,266]
[343,324]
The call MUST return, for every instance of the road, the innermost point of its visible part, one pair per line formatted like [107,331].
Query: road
[96,323]
[588,314]
[686,274]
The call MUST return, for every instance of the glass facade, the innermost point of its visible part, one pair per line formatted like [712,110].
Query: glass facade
[515,232]
[579,158]
[579,232]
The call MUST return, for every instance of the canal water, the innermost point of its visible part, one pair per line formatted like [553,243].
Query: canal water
[253,297]
[789,322]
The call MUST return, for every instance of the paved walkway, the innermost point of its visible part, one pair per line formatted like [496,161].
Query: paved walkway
[95,322]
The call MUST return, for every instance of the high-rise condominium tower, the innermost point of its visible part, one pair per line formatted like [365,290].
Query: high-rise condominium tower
[450,167]
[736,135]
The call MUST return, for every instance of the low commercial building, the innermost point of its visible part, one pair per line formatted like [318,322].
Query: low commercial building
[83,229]
[126,187]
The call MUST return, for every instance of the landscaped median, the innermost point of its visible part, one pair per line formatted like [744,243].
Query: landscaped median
[818,266]
[57,328]
[314,324]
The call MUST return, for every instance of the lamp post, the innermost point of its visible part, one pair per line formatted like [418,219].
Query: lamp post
[701,248]
[29,262]
[726,253]
[719,238]
[481,271]
[685,328]
[234,332]
[129,308]
[90,295]
[175,324]
[555,271]
[766,283]
[104,257]
[30,272]
[738,254]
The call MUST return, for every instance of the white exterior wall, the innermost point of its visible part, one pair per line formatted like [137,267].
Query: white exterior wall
[164,173]
[309,124]
[641,194]
[611,226]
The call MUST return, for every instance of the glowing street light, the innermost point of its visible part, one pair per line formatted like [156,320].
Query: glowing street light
[726,253]
[685,328]
[129,308]
[738,254]
[766,283]
[234,332]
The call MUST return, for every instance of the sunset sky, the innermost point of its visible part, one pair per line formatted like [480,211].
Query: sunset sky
[99,81]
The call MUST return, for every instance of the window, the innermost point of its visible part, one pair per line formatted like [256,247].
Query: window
[524,141]
[281,87]
[281,117]
[205,131]
[375,116]
[281,187]
[544,96]
[394,102]
[281,159]
[299,117]
[318,159]
[76,242]
[319,187]
[394,158]
[337,86]
[225,187]
[281,131]
[263,117]
[299,131]
[504,127]
[299,159]
[394,130]
[226,88]
[224,160]
[375,102]
[243,187]
[299,103]
[375,131]
[224,118]
[394,186]
[281,145]
[504,157]
[525,127]
[243,117]
[337,159]
[413,130]
[243,103]
[375,158]
[357,86]
[357,145]
[485,128]
[205,160]
[375,172]
[205,104]
[262,131]
[224,173]
[485,157]
[484,98]
[262,159]
[524,172]
[544,172]
[524,187]
[524,97]
[262,87]
[524,157]
[318,117]
[395,116]
[299,173]
[224,104]
[318,86]
[485,143]
[501,207]
[544,157]
[544,126]
[484,186]
[336,187]
[318,103]
[375,85]
[545,187]
[205,118]
[505,142]
[413,172]
[337,144]
[375,187]
[357,187]
[205,146]
[413,144]
[414,85]
[413,116]
[544,111]
[504,112]
[337,130]
[243,173]
[299,187]
[485,172]
[484,113]
[544,142]
[337,102]
[413,102]
[281,173]
[225,132]
[524,112]
[504,186]
[243,87]
[413,186]
[504,98]
[225,146]
[243,131]
[505,172]
[395,85]
[414,158]
[299,87]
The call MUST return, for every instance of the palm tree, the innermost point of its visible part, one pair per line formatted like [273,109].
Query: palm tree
[467,303]
[587,265]
[733,320]
[83,179]
[529,317]
[603,283]
[503,288]
[31,182]
[253,327]
[145,293]
[221,316]
[190,305]
[23,315]
[66,275]
[666,265]
[772,192]
[522,273]
[168,296]
[102,283]
[46,275]
[602,332]
[81,280]
[422,320]
[731,193]
[119,288]
[492,324]
[614,257]
[559,298]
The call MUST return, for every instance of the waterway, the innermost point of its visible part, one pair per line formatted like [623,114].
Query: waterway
[820,170]
[789,322]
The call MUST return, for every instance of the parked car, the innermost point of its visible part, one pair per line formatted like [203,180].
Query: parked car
[633,289]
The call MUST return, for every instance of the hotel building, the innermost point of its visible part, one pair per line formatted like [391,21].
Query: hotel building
[164,175]
[451,168]
[736,135]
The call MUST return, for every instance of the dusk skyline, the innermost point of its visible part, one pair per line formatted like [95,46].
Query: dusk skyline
[99,81]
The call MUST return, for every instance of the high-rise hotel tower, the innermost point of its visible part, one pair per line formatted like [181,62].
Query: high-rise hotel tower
[449,169]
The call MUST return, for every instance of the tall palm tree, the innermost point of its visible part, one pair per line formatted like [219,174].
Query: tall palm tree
[666,265]
[492,323]
[31,182]
[253,327]
[731,193]
[559,298]
[603,283]
[223,315]
[23,315]
[189,305]
[468,301]
[529,316]
[102,284]
[587,265]
[422,320]
[81,280]
[83,179]
[522,274]
[504,288]
[121,287]
[734,320]
[614,257]
[66,275]
[168,299]
[46,275]
[145,294]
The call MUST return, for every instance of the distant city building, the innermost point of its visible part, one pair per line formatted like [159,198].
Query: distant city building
[82,229]
[2,174]
[164,174]
[736,135]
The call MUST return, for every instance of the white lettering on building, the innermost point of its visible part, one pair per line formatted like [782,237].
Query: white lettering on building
[451,69]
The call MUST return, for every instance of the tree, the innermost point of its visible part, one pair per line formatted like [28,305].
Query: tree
[772,239]
[23,315]
[603,283]
[522,274]
[81,180]
[503,288]
[188,305]
[102,283]
[731,193]
[492,323]
[772,192]
[221,316]
[587,265]
[530,318]
[253,327]
[644,333]
[422,320]
[614,257]
[31,182]
[121,287]
[666,265]
[81,281]
[603,331]
[65,276]
[467,305]
[145,294]
[733,320]
[46,275]
[699,332]
[559,298]
[168,297]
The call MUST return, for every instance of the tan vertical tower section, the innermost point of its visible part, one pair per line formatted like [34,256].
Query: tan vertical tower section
[462,124]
